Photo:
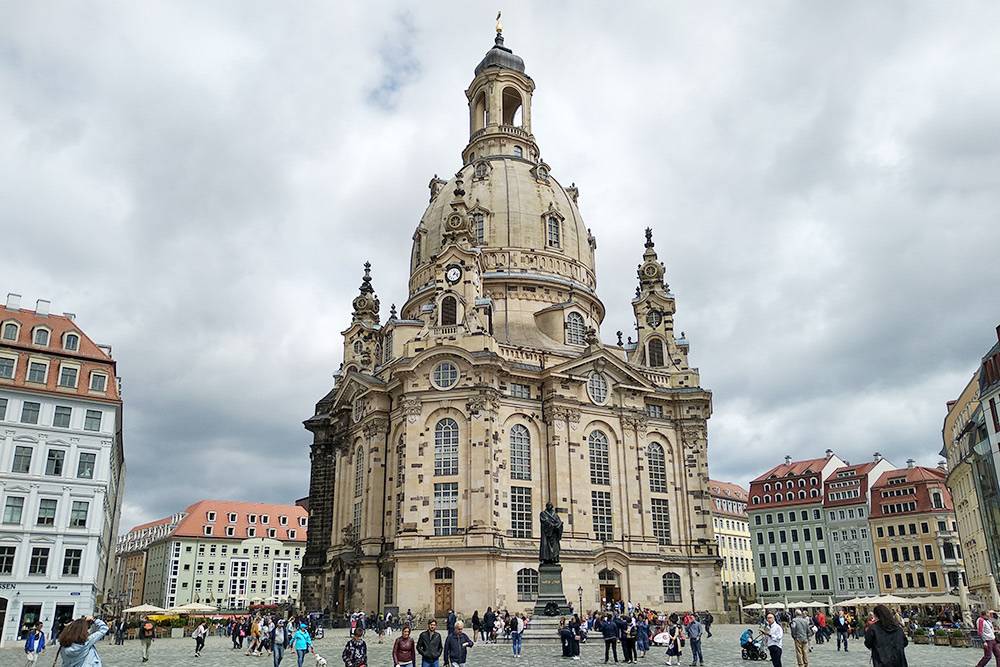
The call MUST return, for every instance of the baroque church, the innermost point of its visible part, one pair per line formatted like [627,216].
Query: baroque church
[491,392]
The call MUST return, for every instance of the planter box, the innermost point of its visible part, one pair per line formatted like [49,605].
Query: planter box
[941,640]
[960,642]
[921,639]
[177,633]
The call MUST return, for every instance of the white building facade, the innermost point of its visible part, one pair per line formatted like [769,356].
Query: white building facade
[61,470]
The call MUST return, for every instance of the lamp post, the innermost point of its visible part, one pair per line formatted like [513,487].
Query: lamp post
[579,592]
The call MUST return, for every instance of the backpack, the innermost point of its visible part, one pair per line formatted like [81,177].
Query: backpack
[147,626]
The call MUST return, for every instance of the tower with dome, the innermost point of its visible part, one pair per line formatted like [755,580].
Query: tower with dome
[491,392]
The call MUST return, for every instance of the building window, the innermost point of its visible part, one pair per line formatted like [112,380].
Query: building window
[85,467]
[445,375]
[597,388]
[37,371]
[7,367]
[7,559]
[520,511]
[208,530]
[61,417]
[71,342]
[389,586]
[29,412]
[359,472]
[47,512]
[13,509]
[479,226]
[661,520]
[449,311]
[10,331]
[655,353]
[68,375]
[78,515]
[518,151]
[41,337]
[600,472]
[520,390]
[575,330]
[251,532]
[39,563]
[230,531]
[71,562]
[22,459]
[552,232]
[657,468]
[671,587]
[54,462]
[600,505]
[92,421]
[654,410]
[446,447]
[98,382]
[520,452]
[446,508]
[527,585]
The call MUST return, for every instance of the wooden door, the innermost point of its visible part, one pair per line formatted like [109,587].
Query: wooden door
[442,599]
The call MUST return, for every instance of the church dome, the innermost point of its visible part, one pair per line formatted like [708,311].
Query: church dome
[530,224]
[501,57]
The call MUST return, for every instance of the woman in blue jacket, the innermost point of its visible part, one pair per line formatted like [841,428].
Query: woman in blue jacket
[77,642]
[302,643]
[35,643]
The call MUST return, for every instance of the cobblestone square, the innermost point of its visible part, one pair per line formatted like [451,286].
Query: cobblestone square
[720,650]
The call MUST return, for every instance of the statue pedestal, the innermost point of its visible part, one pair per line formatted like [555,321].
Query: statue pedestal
[551,600]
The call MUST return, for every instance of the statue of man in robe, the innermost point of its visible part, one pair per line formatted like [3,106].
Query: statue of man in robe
[552,530]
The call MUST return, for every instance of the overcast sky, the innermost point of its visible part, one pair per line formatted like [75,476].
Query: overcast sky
[200,182]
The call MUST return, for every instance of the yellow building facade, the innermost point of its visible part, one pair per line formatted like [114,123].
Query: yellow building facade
[732,535]
[491,393]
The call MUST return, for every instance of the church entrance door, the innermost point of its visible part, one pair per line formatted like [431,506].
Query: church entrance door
[442,599]
[610,593]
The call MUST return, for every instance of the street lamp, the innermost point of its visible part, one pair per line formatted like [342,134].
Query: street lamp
[579,592]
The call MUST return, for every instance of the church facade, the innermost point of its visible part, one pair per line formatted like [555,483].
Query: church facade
[490,393]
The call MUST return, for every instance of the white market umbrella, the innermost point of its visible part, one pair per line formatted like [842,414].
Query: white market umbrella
[145,609]
[812,605]
[195,608]
[755,605]
[775,605]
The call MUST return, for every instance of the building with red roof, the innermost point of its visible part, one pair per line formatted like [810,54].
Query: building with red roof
[732,534]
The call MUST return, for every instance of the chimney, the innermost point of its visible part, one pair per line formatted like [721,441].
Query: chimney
[829,453]
[42,307]
[910,463]
[14,301]
[943,466]
[877,457]
[70,316]
[788,459]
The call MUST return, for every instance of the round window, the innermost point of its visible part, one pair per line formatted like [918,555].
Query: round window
[445,375]
[597,388]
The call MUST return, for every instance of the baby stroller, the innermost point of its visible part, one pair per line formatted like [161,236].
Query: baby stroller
[754,650]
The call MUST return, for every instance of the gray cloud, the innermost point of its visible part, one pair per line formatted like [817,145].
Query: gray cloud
[201,182]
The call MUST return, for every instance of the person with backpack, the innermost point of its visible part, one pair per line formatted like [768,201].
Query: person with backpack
[516,633]
[887,641]
[77,642]
[147,632]
[199,635]
[34,644]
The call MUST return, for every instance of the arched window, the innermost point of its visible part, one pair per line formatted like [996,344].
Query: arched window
[600,473]
[655,353]
[671,587]
[936,500]
[767,487]
[767,499]
[597,388]
[511,101]
[444,574]
[802,482]
[357,347]
[449,311]
[756,500]
[520,452]
[446,447]
[657,468]
[359,472]
[575,329]
[552,235]
[527,585]
[518,152]
[813,493]
[479,112]
[41,336]
[71,342]
[479,226]
[789,484]
[10,330]
[802,495]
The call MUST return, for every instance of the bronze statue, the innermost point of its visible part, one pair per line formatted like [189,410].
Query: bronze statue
[552,530]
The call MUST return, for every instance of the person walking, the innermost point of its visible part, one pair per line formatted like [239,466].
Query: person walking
[694,633]
[673,643]
[488,620]
[119,628]
[147,633]
[774,635]
[34,644]
[842,626]
[516,633]
[456,647]
[403,649]
[429,645]
[984,626]
[279,642]
[77,642]
[642,636]
[302,643]
[199,635]
[609,631]
[356,651]
[801,629]
[709,619]
[450,621]
[887,641]
[477,625]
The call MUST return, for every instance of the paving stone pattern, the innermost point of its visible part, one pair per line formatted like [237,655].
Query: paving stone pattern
[721,650]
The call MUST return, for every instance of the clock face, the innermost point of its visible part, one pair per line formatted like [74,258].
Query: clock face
[653,318]
[453,274]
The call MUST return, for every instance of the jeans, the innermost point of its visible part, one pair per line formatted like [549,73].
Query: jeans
[300,653]
[990,649]
[199,644]
[696,656]
[515,639]
[424,662]
[279,653]
[775,652]
[842,636]
[145,649]
[610,645]
[628,650]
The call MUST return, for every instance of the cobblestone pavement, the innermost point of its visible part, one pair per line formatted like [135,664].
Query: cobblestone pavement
[721,650]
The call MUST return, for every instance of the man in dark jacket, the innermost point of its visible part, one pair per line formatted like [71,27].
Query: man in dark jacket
[610,632]
[450,622]
[429,645]
[456,646]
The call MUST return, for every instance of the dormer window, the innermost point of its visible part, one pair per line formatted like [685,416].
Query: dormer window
[41,337]
[98,382]
[575,329]
[211,517]
[291,534]
[272,532]
[208,530]
[552,232]
[518,151]
[283,520]
[232,517]
[265,519]
[251,518]
[71,342]
[230,531]
[10,331]
[302,521]
[251,532]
